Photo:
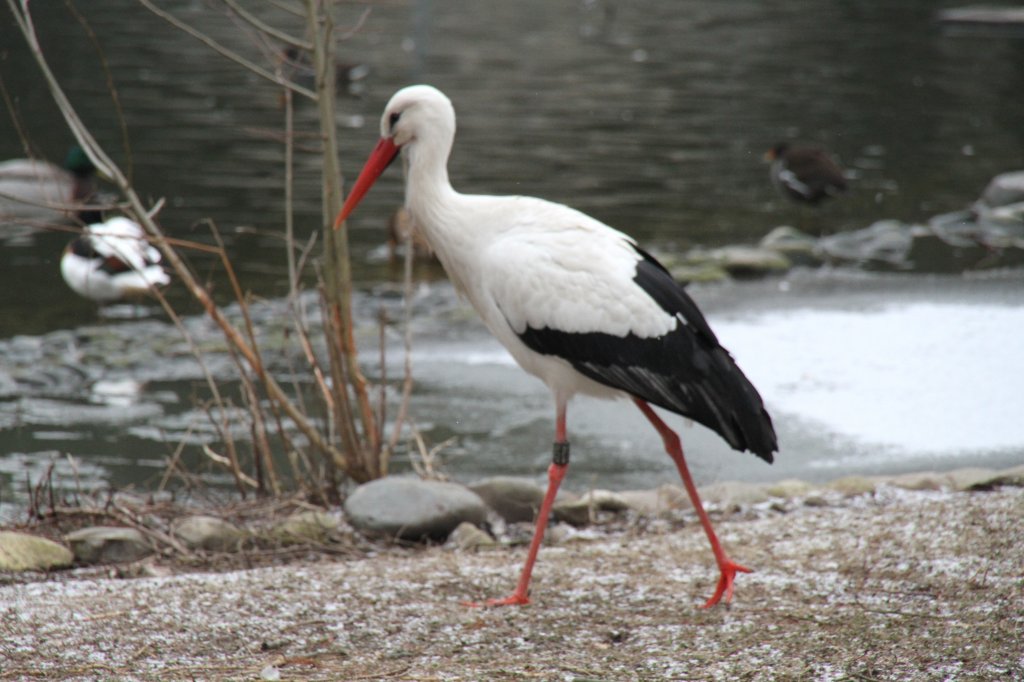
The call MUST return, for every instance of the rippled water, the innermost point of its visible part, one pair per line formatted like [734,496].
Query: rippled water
[651,115]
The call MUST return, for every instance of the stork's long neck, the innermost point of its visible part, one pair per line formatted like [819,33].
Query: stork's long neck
[427,188]
[434,203]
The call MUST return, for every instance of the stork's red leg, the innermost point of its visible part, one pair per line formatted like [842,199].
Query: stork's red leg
[727,567]
[556,472]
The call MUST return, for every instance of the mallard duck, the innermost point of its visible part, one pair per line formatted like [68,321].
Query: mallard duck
[37,189]
[111,260]
[805,174]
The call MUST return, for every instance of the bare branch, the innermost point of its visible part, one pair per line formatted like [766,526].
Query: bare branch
[285,7]
[266,28]
[357,26]
[223,51]
[407,283]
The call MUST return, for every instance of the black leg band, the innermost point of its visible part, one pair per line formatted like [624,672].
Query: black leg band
[560,454]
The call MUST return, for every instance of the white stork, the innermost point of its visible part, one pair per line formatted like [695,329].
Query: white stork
[577,304]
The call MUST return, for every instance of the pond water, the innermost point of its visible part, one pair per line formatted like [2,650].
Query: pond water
[652,116]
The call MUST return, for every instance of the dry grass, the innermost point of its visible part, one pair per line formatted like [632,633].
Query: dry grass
[895,586]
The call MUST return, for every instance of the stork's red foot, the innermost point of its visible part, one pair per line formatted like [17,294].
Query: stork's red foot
[729,570]
[514,599]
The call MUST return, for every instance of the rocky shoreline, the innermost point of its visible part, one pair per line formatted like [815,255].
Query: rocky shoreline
[913,577]
[412,509]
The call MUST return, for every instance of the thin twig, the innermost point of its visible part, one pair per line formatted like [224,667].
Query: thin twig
[122,124]
[266,28]
[173,462]
[358,25]
[382,380]
[125,516]
[407,382]
[225,52]
[290,9]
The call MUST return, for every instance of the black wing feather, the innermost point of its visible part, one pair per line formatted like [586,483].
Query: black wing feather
[686,371]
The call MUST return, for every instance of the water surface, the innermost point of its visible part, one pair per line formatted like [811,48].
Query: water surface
[653,116]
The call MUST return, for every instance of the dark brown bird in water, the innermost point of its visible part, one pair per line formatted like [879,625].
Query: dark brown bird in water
[804,173]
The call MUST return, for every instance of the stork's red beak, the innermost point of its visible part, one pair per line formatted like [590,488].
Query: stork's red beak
[380,158]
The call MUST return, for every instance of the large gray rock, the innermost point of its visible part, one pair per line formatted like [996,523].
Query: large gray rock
[412,509]
[1005,188]
[884,242]
[24,552]
[108,544]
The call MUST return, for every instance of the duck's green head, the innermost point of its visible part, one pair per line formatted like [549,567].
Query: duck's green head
[77,161]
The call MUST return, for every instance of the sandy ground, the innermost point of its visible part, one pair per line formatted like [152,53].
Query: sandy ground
[897,585]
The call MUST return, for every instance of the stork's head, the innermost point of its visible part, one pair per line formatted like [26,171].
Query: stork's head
[418,119]
[416,111]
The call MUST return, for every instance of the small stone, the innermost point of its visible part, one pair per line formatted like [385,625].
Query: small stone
[750,261]
[924,480]
[513,499]
[851,486]
[25,552]
[698,271]
[149,569]
[730,493]
[788,488]
[108,544]
[970,478]
[307,526]
[274,644]
[466,536]
[559,534]
[209,533]
[411,509]
[798,247]
[581,511]
[664,498]
[1014,476]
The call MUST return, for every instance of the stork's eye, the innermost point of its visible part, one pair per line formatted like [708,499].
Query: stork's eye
[393,119]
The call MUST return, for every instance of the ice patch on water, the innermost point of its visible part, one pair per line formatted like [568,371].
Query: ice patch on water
[935,377]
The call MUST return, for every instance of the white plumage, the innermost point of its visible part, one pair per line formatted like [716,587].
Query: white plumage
[112,260]
[577,304]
